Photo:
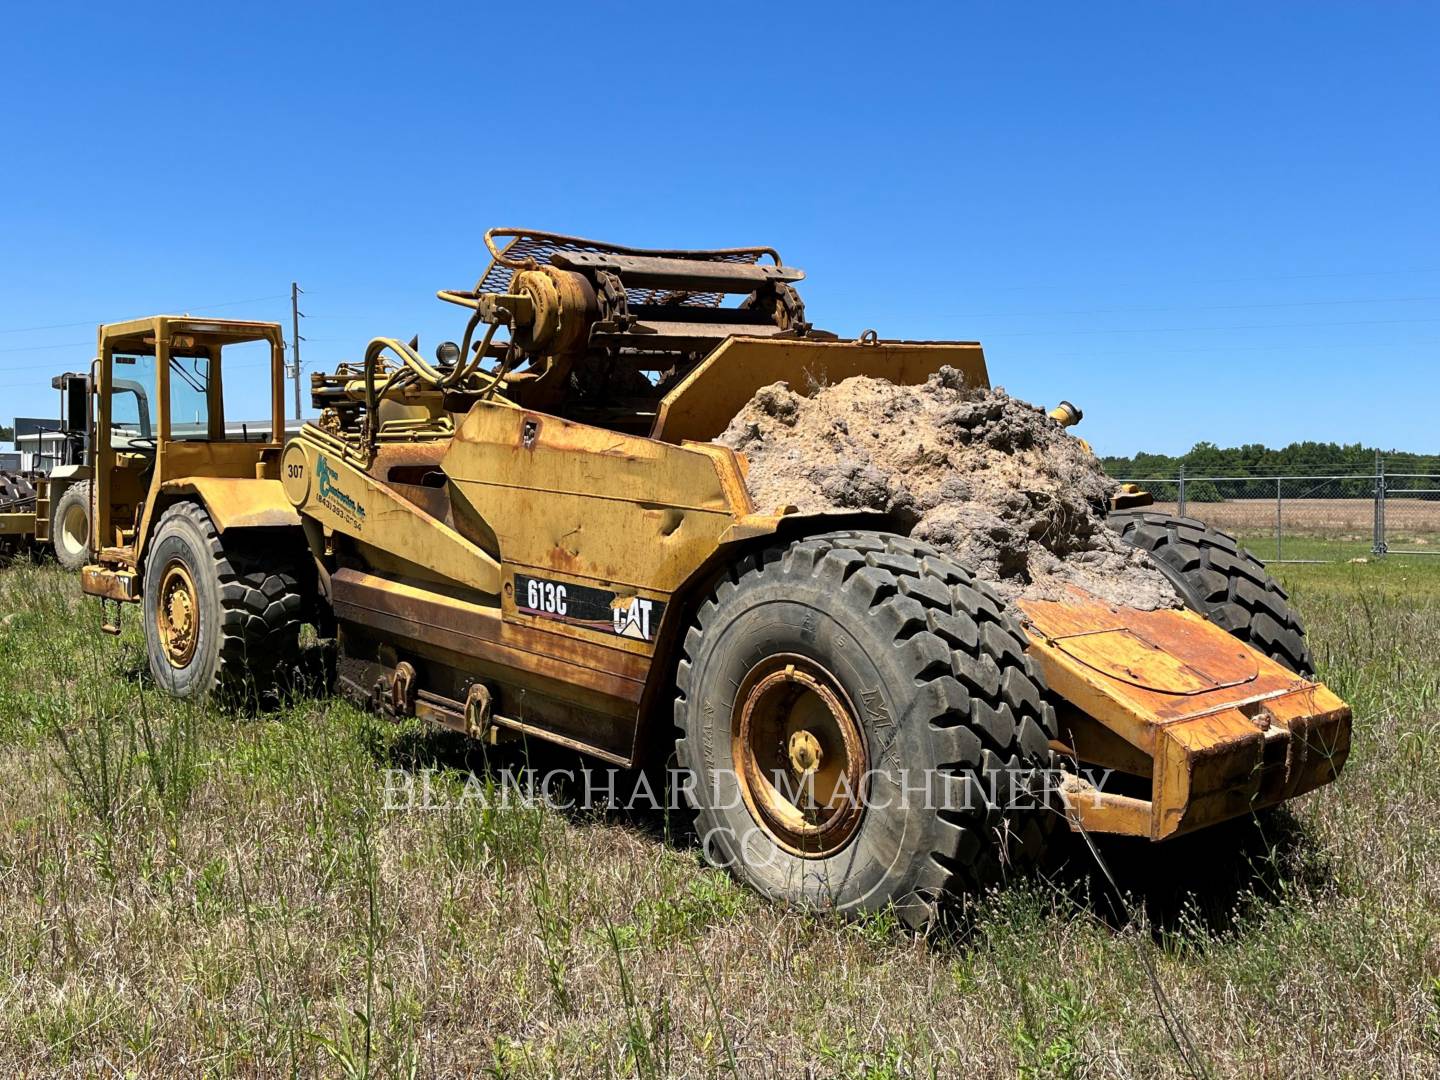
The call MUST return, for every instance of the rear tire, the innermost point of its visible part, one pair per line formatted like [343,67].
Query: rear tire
[932,676]
[1219,579]
[222,616]
[70,526]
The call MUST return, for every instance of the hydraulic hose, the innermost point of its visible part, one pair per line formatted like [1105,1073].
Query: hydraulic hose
[415,368]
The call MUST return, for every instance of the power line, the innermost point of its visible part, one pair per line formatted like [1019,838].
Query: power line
[1196,307]
[1368,347]
[37,348]
[1347,301]
[1108,354]
[96,322]
[1234,281]
[1204,329]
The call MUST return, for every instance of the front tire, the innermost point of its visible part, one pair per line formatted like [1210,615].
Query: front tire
[1222,581]
[871,655]
[70,526]
[222,615]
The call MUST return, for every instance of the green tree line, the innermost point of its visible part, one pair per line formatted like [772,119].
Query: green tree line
[1256,460]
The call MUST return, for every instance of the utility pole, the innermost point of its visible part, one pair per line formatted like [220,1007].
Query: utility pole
[295,316]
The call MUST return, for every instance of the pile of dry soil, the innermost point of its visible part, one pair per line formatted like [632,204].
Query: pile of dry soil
[990,480]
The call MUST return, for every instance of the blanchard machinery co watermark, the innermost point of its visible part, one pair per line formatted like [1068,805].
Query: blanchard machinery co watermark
[611,789]
[741,842]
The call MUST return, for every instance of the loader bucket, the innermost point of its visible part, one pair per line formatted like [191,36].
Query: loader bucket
[1219,729]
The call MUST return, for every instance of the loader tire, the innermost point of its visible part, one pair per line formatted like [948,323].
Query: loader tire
[70,526]
[885,655]
[1220,580]
[222,615]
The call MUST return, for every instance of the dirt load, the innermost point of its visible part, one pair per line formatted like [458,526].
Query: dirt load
[990,480]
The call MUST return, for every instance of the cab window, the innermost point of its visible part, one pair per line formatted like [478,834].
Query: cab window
[131,422]
[246,390]
[189,397]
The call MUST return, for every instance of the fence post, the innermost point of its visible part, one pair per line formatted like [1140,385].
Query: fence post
[1379,547]
[1181,497]
[1279,523]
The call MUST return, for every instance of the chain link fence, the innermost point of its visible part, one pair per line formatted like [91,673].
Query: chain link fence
[1312,518]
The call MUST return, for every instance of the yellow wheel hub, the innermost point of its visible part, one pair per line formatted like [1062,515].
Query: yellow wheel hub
[800,755]
[74,529]
[177,614]
[805,752]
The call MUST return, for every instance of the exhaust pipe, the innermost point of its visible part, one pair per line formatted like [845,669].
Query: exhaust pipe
[1066,415]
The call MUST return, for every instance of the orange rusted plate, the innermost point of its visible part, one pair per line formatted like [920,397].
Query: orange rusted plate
[1228,729]
[1151,663]
[1165,664]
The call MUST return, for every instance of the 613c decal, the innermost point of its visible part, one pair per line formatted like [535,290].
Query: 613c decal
[595,609]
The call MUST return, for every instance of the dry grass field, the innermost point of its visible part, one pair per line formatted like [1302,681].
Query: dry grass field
[186,892]
[1408,519]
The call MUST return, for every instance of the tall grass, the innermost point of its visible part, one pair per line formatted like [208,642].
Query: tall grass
[185,890]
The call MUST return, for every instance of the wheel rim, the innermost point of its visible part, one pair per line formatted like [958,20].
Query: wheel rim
[800,755]
[74,530]
[177,614]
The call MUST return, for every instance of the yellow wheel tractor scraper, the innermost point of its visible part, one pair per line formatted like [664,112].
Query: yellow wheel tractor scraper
[534,534]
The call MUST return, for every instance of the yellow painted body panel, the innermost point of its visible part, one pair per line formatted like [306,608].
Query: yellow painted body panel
[346,499]
[22,524]
[590,502]
[702,404]
[235,503]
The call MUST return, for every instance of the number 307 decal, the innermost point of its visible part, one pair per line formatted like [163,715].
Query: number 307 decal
[609,612]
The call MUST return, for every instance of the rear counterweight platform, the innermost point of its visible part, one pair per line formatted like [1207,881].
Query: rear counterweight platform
[1219,729]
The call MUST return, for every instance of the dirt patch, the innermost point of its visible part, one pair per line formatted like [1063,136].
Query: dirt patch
[988,479]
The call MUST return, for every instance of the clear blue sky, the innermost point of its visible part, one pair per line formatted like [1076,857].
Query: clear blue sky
[1196,220]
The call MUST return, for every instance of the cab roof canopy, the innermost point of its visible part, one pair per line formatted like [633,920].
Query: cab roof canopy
[140,335]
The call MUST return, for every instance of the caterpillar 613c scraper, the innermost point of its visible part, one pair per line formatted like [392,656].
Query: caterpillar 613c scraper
[535,535]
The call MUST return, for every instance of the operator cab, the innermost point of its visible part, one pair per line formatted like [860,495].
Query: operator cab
[161,415]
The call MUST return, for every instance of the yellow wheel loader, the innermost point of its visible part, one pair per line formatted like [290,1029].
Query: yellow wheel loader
[535,534]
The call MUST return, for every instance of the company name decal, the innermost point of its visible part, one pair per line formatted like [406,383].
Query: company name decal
[595,609]
[333,499]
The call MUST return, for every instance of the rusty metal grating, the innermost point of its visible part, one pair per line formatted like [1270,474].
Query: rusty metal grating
[17,492]
[526,245]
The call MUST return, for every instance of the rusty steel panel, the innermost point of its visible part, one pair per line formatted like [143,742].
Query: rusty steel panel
[479,630]
[604,684]
[121,585]
[649,271]
[1226,729]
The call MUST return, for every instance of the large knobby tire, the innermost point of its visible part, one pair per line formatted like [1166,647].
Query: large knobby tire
[929,675]
[222,615]
[1219,579]
[70,526]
